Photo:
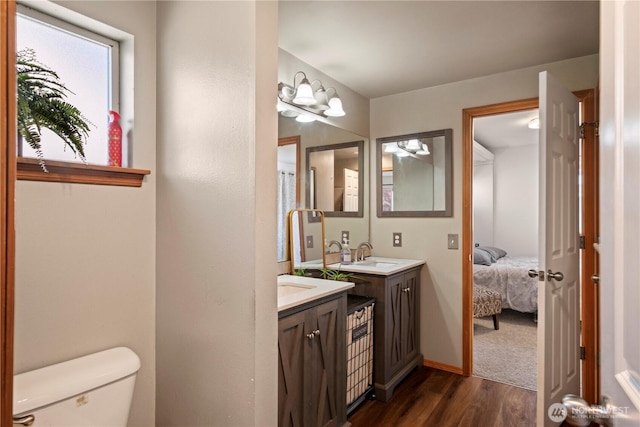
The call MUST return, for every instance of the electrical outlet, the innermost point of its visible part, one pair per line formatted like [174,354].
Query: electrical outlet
[397,240]
[452,241]
[345,235]
[310,242]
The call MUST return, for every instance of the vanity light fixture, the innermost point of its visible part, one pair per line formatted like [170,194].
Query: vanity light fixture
[304,95]
[412,147]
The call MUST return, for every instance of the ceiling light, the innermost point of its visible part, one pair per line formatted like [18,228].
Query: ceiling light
[534,123]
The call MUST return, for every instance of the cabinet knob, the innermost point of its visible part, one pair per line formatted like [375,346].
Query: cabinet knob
[312,335]
[405,290]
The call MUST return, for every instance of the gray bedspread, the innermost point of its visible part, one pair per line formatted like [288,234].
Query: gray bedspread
[509,276]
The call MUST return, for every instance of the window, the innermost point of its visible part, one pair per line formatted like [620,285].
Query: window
[87,65]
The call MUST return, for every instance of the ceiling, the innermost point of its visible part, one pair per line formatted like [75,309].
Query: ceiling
[379,48]
[505,130]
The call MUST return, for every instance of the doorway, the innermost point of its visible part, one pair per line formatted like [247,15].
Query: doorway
[505,237]
[589,301]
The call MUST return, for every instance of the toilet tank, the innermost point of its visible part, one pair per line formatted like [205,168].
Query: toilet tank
[94,390]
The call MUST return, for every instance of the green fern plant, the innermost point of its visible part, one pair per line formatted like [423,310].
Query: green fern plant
[41,104]
[330,274]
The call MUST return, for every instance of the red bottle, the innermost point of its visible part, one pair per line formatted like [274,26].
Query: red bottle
[115,139]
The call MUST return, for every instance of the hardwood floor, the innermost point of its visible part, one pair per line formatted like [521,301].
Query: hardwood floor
[434,398]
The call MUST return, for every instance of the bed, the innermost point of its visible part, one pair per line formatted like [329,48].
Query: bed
[509,276]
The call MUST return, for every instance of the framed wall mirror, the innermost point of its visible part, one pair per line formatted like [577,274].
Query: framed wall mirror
[317,134]
[335,181]
[414,175]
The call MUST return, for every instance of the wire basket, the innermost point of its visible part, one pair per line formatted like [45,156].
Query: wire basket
[359,349]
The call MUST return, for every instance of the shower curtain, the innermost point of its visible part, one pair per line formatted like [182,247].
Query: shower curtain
[286,202]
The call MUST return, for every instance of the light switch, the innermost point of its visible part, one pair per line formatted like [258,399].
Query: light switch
[310,242]
[452,241]
[397,240]
[345,235]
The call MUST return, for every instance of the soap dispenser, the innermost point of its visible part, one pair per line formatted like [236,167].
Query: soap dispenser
[345,253]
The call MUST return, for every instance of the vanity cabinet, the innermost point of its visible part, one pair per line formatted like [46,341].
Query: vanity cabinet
[396,326]
[311,364]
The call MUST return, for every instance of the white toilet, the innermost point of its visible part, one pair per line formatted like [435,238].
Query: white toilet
[93,390]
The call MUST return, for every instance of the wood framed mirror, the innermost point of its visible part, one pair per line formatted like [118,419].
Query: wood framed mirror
[306,239]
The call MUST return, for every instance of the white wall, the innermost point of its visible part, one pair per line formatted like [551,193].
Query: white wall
[516,200]
[435,108]
[85,254]
[216,274]
[483,204]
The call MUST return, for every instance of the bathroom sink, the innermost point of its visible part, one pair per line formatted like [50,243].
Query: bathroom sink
[378,265]
[285,289]
[374,263]
[296,290]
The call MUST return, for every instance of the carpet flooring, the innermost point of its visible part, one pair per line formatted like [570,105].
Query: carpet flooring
[509,354]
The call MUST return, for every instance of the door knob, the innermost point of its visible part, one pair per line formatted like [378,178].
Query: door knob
[535,273]
[27,420]
[595,278]
[555,276]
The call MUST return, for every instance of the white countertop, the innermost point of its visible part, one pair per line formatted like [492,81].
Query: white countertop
[296,290]
[380,266]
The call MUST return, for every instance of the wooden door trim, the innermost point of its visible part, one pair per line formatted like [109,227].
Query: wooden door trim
[468,114]
[590,291]
[8,132]
[590,306]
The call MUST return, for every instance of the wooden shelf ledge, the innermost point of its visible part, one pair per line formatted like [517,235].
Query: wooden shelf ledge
[79,173]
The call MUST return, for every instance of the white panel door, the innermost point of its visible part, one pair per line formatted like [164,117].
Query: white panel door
[350,190]
[620,209]
[559,252]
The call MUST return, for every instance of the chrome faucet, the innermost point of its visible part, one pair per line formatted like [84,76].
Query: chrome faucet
[360,249]
[334,242]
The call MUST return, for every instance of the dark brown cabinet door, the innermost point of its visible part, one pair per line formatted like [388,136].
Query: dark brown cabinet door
[328,388]
[311,373]
[394,324]
[396,327]
[292,341]
[409,316]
